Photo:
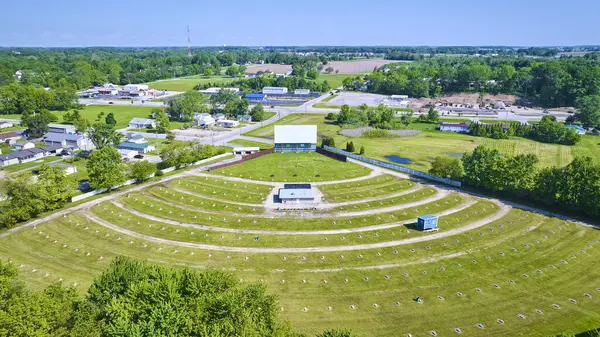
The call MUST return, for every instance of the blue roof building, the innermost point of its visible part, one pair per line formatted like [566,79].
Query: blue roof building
[140,147]
[427,222]
[255,97]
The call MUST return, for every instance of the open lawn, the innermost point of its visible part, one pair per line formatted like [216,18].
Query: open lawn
[430,143]
[30,165]
[188,83]
[520,274]
[249,143]
[123,113]
[294,167]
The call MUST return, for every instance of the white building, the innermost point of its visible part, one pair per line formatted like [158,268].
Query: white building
[64,129]
[214,90]
[274,90]
[226,123]
[454,127]
[295,138]
[301,91]
[18,75]
[71,141]
[24,145]
[245,150]
[403,104]
[399,97]
[204,119]
[142,123]
[127,154]
[136,87]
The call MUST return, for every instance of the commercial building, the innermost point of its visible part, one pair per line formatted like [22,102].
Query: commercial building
[295,138]
[213,90]
[142,123]
[255,97]
[274,90]
[226,123]
[64,129]
[399,97]
[137,147]
[454,127]
[135,87]
[296,193]
[427,222]
[302,91]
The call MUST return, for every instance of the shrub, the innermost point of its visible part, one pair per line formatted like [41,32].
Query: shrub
[159,173]
[362,150]
[376,133]
[331,116]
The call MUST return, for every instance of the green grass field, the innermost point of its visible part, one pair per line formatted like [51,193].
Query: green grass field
[294,167]
[249,143]
[522,274]
[424,147]
[188,83]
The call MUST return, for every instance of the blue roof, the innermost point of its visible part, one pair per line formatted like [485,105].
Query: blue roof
[130,145]
[573,126]
[428,217]
[295,193]
[255,96]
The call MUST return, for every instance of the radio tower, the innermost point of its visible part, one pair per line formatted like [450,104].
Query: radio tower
[189,43]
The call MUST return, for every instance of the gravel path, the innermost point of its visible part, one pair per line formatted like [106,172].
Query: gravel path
[259,231]
[502,212]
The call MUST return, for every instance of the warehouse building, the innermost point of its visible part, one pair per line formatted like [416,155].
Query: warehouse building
[295,138]
[274,90]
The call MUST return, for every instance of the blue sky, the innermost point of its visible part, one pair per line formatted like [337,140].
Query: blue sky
[67,23]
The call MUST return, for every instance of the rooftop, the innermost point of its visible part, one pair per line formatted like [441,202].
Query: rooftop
[296,193]
[59,137]
[138,120]
[456,125]
[296,134]
[428,217]
[7,135]
[131,145]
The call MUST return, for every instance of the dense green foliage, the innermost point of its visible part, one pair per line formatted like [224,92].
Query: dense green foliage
[379,117]
[105,168]
[447,167]
[547,131]
[18,98]
[575,187]
[258,113]
[141,170]
[550,83]
[28,196]
[134,299]
[376,133]
[178,154]
[185,106]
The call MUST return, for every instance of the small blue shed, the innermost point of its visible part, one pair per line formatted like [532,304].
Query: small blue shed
[426,222]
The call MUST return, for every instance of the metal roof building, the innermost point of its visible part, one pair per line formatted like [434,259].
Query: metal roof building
[295,138]
[296,195]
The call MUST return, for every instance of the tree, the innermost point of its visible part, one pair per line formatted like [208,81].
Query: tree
[37,126]
[105,168]
[81,124]
[335,333]
[102,135]
[110,119]
[186,105]
[588,110]
[162,121]
[56,189]
[170,137]
[68,117]
[433,115]
[258,113]
[141,170]
[221,98]
[52,118]
[362,150]
[447,167]
[328,141]
[350,147]
[208,72]
[406,118]
[24,199]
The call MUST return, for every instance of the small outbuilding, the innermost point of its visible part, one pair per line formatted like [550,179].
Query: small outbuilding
[243,151]
[427,222]
[296,195]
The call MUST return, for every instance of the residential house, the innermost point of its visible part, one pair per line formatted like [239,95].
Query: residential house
[142,123]
[454,127]
[23,156]
[128,154]
[10,137]
[24,146]
[227,123]
[219,117]
[53,149]
[244,118]
[204,119]
[136,138]
[137,147]
[6,125]
[69,141]
[64,129]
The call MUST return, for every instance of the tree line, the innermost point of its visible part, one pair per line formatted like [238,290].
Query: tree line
[379,117]
[549,83]
[17,99]
[547,131]
[132,299]
[575,187]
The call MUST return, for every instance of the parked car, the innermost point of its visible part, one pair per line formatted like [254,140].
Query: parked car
[139,156]
[111,102]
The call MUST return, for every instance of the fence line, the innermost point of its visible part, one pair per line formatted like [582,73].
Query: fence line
[394,167]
